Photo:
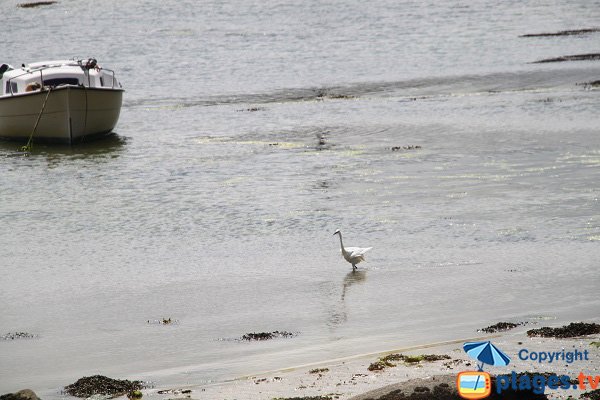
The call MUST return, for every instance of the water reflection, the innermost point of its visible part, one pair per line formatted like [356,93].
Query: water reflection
[353,277]
[109,146]
[323,141]
[338,314]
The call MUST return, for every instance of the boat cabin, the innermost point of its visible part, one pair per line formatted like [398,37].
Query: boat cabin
[33,77]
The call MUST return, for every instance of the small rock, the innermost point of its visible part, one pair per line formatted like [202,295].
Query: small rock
[25,394]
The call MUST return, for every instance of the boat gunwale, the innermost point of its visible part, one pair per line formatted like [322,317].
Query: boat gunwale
[61,87]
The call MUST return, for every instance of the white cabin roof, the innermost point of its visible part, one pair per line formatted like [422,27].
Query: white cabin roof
[57,72]
[54,63]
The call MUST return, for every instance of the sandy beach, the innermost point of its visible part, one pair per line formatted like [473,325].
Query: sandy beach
[349,378]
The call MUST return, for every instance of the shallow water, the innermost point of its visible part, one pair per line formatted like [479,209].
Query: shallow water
[250,132]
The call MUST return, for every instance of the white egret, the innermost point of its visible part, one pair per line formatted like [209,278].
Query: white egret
[353,255]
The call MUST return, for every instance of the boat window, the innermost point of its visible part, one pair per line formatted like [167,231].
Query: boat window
[13,87]
[101,81]
[3,69]
[61,81]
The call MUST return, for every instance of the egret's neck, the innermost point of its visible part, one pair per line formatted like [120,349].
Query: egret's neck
[341,243]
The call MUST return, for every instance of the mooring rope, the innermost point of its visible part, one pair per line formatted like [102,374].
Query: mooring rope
[86,108]
[27,148]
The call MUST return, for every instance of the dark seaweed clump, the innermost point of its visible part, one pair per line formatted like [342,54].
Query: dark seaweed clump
[318,370]
[267,335]
[17,335]
[563,33]
[35,4]
[590,85]
[409,147]
[163,321]
[98,384]
[501,326]
[574,329]
[593,395]
[576,57]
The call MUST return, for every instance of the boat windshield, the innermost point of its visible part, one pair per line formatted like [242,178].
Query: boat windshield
[61,81]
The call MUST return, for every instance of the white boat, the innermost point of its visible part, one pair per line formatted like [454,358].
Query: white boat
[58,101]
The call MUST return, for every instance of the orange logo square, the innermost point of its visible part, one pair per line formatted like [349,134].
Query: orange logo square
[474,384]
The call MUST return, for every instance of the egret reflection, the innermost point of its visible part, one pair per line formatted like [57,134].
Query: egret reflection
[338,314]
[351,278]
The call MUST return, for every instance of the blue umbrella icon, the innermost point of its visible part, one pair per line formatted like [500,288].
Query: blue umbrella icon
[487,353]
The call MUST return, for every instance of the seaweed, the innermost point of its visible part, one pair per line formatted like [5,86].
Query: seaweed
[575,57]
[134,394]
[36,4]
[17,335]
[318,370]
[435,357]
[163,321]
[593,395]
[563,33]
[574,329]
[267,335]
[380,365]
[589,85]
[98,384]
[409,147]
[501,326]
[386,361]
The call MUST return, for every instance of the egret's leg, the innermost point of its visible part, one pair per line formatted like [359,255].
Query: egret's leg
[353,267]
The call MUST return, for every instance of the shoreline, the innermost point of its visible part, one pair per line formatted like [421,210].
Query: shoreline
[374,354]
[348,378]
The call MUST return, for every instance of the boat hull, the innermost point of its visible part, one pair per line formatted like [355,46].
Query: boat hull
[71,114]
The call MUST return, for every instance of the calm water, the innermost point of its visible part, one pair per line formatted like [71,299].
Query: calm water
[221,218]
